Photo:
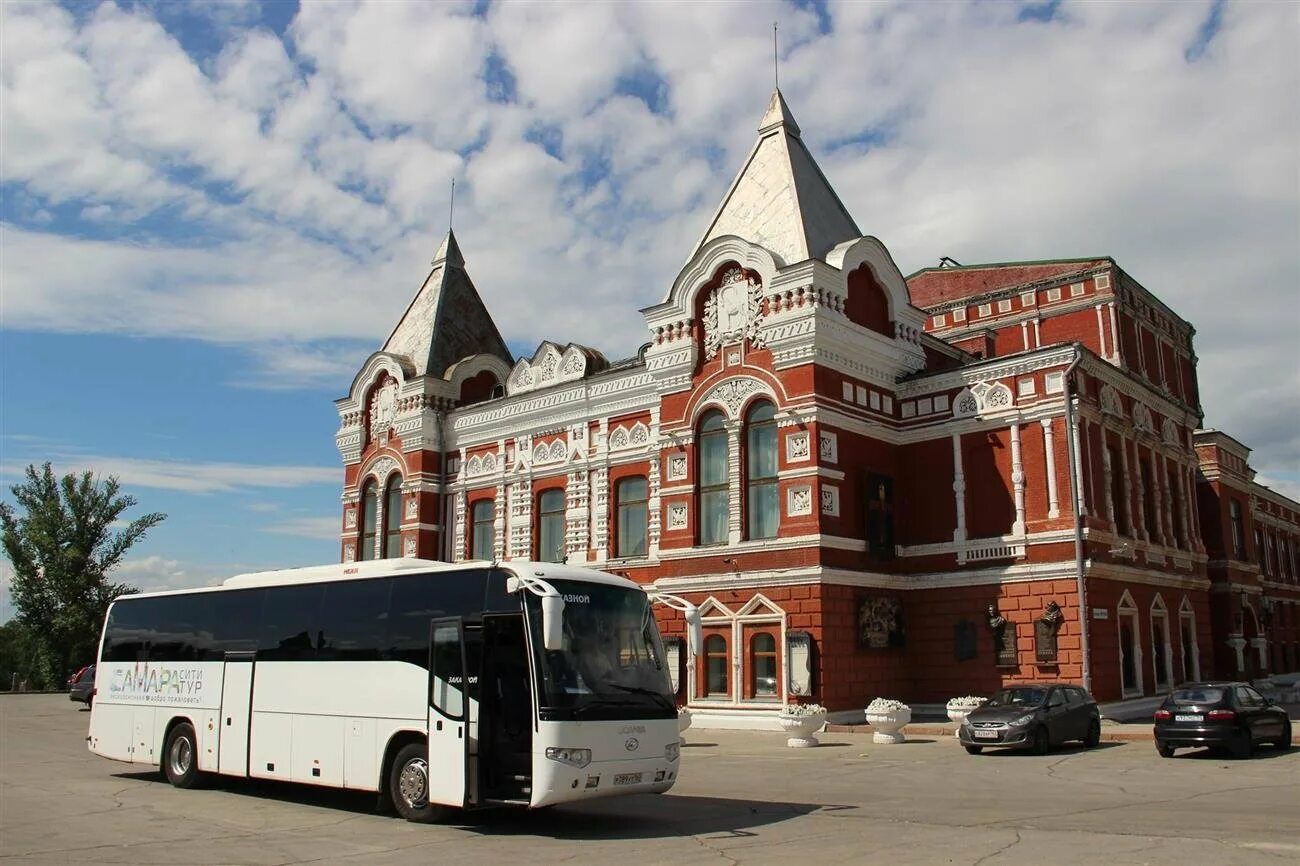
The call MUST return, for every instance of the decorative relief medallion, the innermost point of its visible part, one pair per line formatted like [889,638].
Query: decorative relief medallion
[799,502]
[408,547]
[732,312]
[549,366]
[677,515]
[381,467]
[733,393]
[1142,419]
[383,408]
[349,553]
[797,447]
[412,507]
[1110,402]
[828,447]
[350,519]
[830,500]
[677,467]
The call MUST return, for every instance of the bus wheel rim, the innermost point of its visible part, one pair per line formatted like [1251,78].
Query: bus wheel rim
[413,784]
[181,756]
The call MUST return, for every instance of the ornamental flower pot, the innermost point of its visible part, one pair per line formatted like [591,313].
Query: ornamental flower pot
[960,708]
[801,722]
[887,719]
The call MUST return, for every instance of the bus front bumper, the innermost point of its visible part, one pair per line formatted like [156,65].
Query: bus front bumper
[554,782]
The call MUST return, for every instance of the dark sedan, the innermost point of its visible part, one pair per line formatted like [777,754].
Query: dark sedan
[1033,717]
[1229,716]
[83,689]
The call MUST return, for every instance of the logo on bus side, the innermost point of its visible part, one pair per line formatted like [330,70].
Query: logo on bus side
[632,744]
[158,683]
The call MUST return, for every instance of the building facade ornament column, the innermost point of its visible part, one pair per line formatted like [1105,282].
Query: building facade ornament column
[1049,459]
[1126,481]
[1017,481]
[1145,533]
[1108,480]
[1114,333]
[735,509]
[458,533]
[958,489]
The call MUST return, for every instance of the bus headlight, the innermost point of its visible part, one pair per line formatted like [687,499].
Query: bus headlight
[673,751]
[572,757]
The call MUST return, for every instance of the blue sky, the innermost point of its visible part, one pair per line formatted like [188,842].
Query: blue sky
[212,212]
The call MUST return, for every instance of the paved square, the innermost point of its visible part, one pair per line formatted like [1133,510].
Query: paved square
[744,798]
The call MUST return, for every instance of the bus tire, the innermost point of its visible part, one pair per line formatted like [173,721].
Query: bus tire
[180,760]
[408,784]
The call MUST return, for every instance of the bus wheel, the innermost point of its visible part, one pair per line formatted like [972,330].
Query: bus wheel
[181,757]
[408,784]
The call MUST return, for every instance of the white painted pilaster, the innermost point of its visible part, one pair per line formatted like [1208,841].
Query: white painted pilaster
[1049,454]
[1017,481]
[958,489]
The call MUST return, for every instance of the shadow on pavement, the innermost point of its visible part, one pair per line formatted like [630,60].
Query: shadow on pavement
[1056,751]
[645,816]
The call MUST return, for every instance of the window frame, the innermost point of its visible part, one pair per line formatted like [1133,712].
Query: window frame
[393,518]
[369,522]
[624,506]
[723,486]
[766,483]
[754,656]
[709,654]
[475,523]
[544,517]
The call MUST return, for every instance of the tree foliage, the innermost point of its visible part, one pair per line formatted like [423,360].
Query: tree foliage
[62,544]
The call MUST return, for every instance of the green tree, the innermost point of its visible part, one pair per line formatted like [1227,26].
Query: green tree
[17,656]
[62,547]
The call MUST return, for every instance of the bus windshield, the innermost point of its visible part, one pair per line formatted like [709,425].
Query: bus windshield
[612,665]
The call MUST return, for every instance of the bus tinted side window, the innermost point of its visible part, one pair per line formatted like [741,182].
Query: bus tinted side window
[236,617]
[418,598]
[290,623]
[124,638]
[353,620]
[181,627]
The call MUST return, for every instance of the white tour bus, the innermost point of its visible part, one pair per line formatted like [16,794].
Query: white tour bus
[439,685]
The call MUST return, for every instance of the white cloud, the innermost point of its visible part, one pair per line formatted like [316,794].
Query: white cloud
[309,176]
[181,475]
[323,528]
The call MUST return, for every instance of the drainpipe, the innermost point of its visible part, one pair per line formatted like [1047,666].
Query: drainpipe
[1075,495]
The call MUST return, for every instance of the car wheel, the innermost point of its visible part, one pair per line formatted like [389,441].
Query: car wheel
[1041,741]
[1093,737]
[408,784]
[974,750]
[1244,747]
[1165,750]
[180,761]
[1284,742]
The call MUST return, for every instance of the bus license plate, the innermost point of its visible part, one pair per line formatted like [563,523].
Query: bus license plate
[1187,718]
[986,735]
[627,779]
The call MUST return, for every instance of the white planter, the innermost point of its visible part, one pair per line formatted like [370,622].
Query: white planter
[888,727]
[957,713]
[683,719]
[801,729]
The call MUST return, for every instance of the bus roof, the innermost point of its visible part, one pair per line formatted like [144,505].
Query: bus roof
[388,567]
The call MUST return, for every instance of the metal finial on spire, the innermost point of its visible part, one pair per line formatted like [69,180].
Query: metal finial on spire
[451,209]
[776,60]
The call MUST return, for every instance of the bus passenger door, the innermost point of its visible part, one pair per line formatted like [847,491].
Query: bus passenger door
[448,713]
[236,697]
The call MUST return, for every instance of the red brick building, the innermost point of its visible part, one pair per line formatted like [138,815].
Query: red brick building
[873,485]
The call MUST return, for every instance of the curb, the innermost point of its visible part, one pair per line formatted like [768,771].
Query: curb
[1143,735]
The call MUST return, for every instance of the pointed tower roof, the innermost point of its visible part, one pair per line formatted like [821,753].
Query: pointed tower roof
[781,200]
[446,321]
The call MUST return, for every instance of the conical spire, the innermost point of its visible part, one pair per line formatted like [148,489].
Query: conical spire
[447,320]
[780,200]
[778,114]
[449,252]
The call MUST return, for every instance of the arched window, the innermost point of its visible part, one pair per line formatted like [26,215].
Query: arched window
[713,475]
[393,518]
[633,513]
[550,525]
[762,513]
[716,669]
[369,517]
[762,649]
[482,536]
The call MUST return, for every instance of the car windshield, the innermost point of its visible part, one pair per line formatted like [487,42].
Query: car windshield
[1197,696]
[612,665]
[1018,697]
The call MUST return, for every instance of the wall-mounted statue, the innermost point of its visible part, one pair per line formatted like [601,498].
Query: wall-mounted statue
[1045,629]
[1004,637]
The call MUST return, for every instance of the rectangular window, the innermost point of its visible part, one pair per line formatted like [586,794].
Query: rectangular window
[939,321]
[1259,551]
[1055,382]
[862,396]
[959,315]
[352,619]
[1025,386]
[290,618]
[1101,281]
[717,680]
[482,530]
[1238,538]
[1004,306]
[1117,491]
[1054,294]
[985,310]
[1076,289]
[633,514]
[550,525]
[1027,299]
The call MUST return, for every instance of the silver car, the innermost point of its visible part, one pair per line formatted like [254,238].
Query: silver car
[1033,717]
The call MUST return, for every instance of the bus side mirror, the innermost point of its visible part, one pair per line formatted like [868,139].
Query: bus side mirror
[553,622]
[694,631]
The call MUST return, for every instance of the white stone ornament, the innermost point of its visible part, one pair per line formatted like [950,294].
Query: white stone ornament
[796,447]
[408,547]
[799,502]
[830,501]
[412,508]
[350,518]
[382,467]
[383,409]
[677,516]
[732,312]
[828,447]
[677,467]
[733,393]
